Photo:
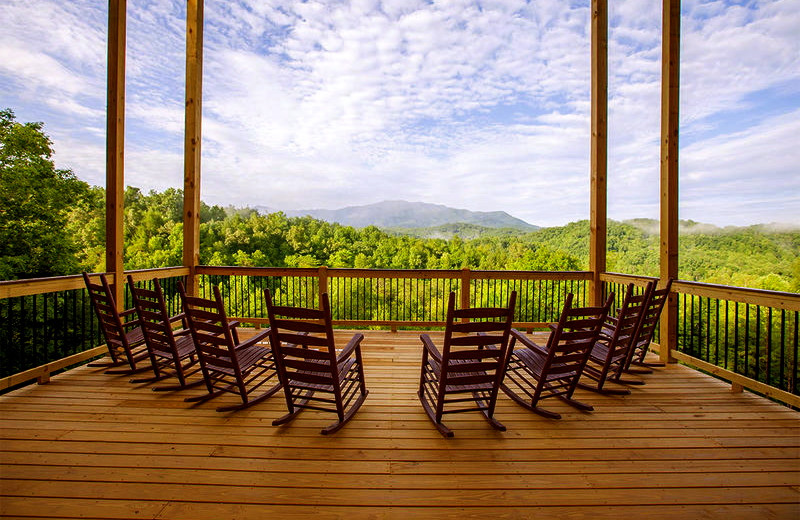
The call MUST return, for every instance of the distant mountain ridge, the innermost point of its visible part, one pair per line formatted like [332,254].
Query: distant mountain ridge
[404,214]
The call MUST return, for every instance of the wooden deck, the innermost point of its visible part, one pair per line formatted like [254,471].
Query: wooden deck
[92,445]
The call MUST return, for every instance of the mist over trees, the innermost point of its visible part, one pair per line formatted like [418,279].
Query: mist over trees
[52,224]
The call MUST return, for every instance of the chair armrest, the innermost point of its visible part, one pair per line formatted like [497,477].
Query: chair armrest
[252,341]
[353,344]
[181,316]
[529,343]
[430,347]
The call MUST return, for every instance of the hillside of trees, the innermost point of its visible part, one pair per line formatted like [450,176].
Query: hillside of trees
[51,224]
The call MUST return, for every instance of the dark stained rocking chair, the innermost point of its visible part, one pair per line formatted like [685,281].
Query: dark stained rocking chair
[636,363]
[466,375]
[124,339]
[610,353]
[228,365]
[314,374]
[171,352]
[537,372]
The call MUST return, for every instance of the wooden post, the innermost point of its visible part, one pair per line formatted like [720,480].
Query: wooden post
[598,196]
[191,147]
[115,148]
[670,81]
[323,282]
[466,277]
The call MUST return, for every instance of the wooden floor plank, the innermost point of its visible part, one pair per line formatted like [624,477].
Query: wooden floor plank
[93,445]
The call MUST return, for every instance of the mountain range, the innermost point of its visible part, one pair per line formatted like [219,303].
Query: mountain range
[403,214]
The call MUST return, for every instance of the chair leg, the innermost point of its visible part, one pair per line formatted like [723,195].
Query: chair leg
[294,407]
[158,377]
[528,405]
[250,402]
[497,425]
[180,386]
[333,428]
[444,430]
[205,397]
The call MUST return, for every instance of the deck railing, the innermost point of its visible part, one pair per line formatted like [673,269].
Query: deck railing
[394,298]
[748,337]
[48,324]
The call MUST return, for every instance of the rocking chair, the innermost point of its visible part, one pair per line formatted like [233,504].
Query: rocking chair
[467,373]
[539,372]
[171,351]
[314,374]
[610,353]
[124,339]
[228,365]
[647,330]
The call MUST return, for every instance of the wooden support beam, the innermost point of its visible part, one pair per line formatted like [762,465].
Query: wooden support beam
[598,195]
[670,83]
[191,154]
[115,146]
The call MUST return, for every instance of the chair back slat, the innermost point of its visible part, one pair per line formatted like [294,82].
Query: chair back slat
[308,327]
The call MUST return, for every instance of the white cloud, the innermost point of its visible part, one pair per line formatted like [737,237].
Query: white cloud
[324,104]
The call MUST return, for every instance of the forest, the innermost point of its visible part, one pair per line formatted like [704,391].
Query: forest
[52,223]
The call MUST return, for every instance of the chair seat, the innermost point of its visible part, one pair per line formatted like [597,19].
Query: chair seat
[344,367]
[184,345]
[536,363]
[599,353]
[135,336]
[248,357]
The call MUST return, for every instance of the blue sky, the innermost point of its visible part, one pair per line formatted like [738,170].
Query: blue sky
[476,105]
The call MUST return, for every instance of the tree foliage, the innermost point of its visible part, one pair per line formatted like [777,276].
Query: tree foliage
[51,224]
[35,202]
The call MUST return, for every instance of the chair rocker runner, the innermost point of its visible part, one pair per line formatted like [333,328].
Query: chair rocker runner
[466,375]
[172,352]
[314,374]
[610,353]
[537,372]
[228,365]
[647,330]
[124,339]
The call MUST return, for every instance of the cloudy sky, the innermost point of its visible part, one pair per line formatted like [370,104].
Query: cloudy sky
[482,105]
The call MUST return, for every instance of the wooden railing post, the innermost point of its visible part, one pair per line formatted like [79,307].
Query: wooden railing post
[466,278]
[670,82]
[323,282]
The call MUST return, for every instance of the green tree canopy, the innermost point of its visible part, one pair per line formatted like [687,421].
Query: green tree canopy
[35,201]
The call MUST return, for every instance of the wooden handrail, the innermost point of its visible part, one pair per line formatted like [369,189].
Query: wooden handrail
[776,299]
[31,286]
[344,272]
